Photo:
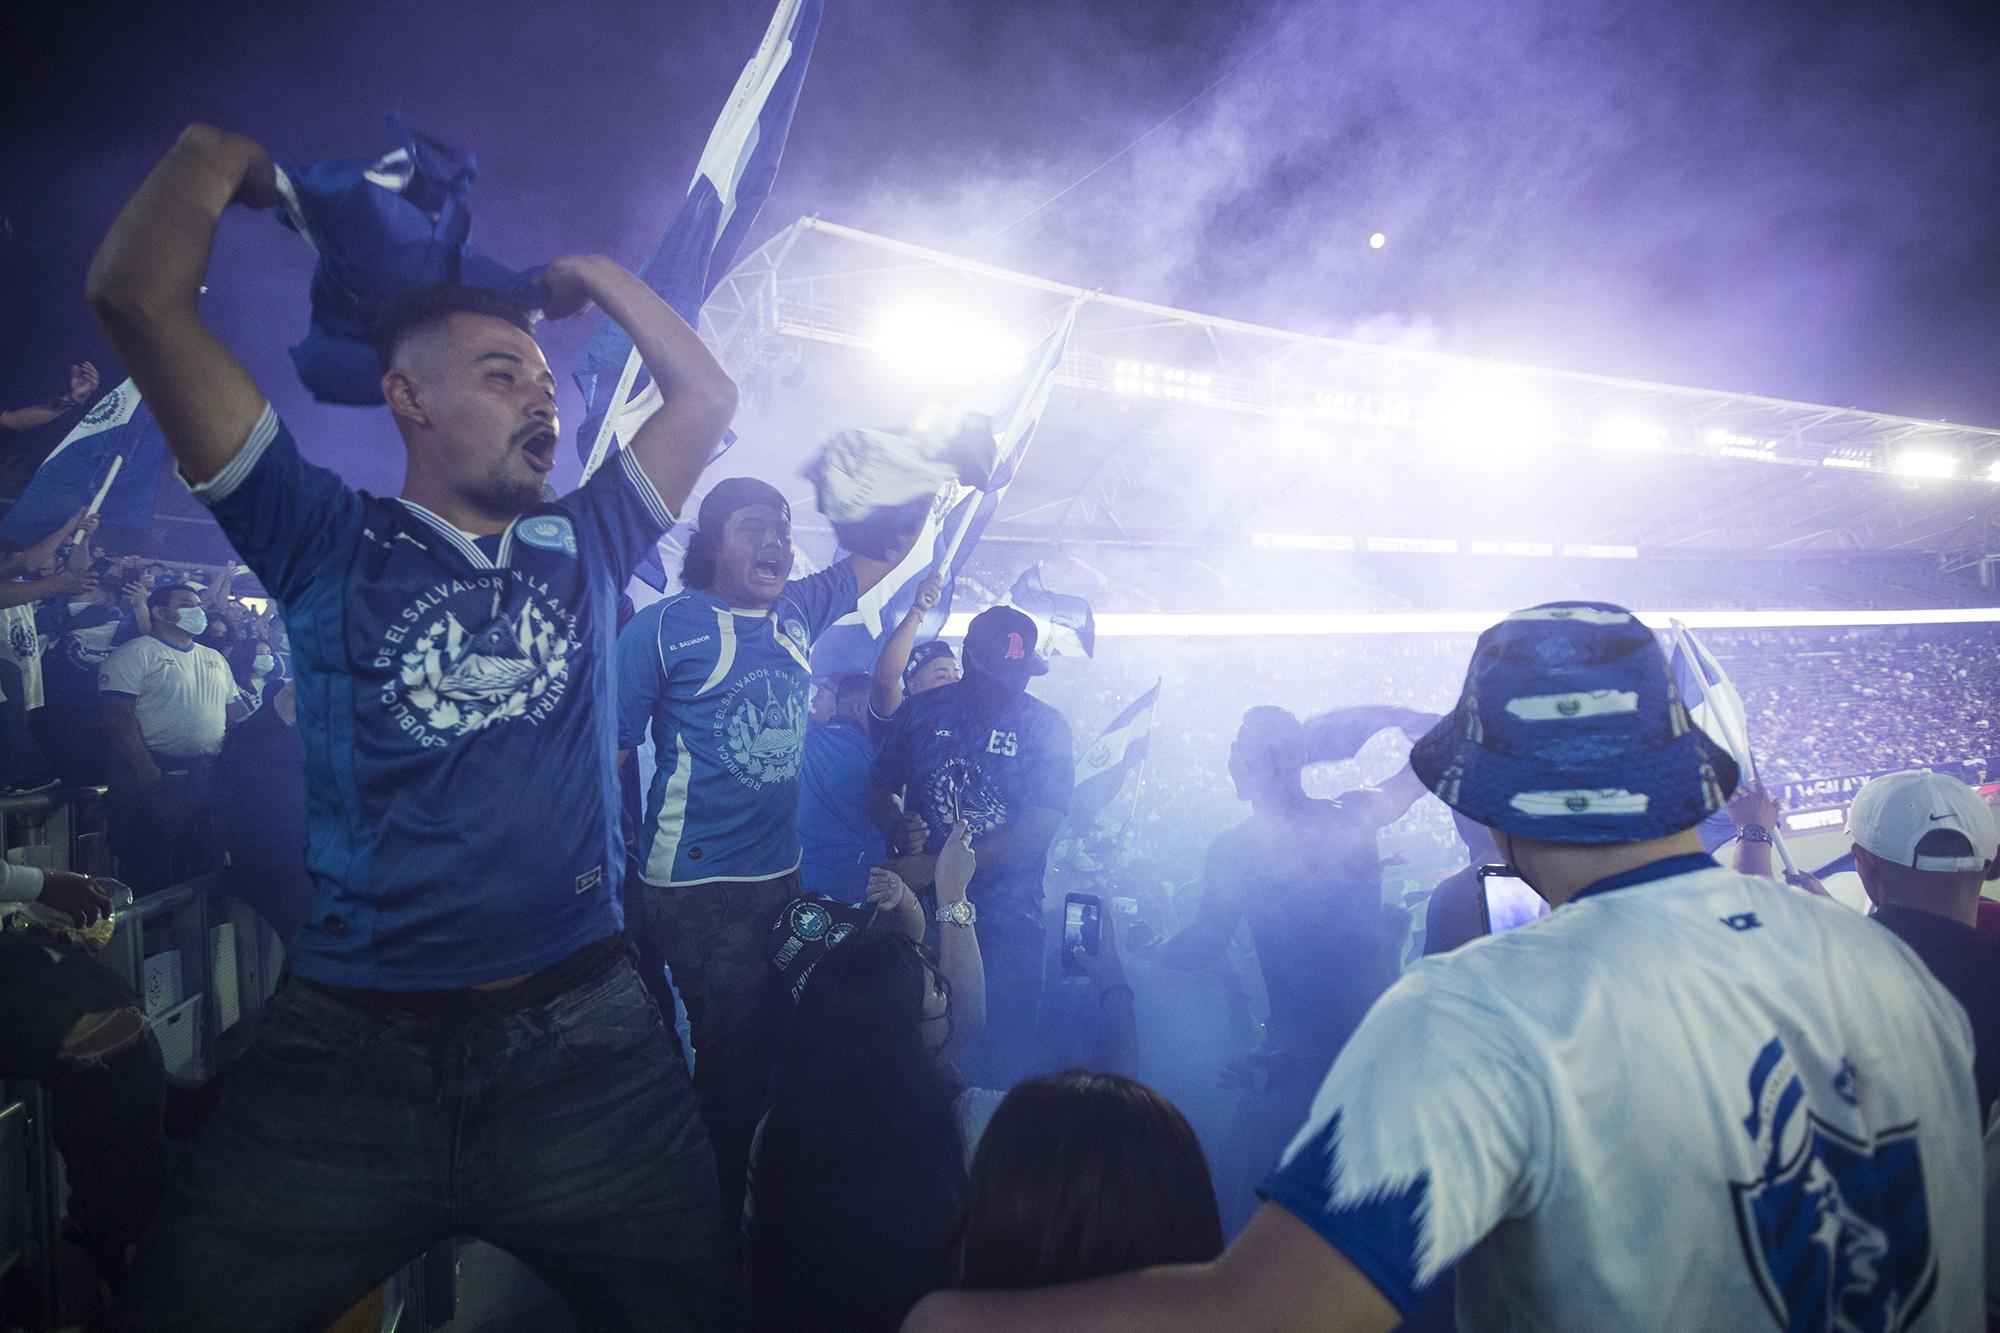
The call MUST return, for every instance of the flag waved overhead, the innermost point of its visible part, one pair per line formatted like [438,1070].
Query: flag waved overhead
[380,226]
[1064,626]
[1112,760]
[730,185]
[958,513]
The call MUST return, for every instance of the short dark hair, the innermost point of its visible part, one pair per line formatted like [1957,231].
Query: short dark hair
[417,308]
[850,689]
[1083,1175]
[157,598]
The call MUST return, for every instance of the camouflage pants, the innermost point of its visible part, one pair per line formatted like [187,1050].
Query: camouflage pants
[713,938]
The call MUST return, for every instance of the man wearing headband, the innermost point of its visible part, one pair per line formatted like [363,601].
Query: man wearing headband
[719,673]
[1689,1098]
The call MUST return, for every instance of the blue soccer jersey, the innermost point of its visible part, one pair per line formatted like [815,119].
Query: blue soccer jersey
[951,761]
[456,712]
[725,692]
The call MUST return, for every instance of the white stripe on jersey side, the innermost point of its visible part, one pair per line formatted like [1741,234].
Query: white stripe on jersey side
[725,651]
[224,483]
[672,823]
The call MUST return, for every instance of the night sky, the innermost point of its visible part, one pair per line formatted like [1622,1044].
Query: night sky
[1788,200]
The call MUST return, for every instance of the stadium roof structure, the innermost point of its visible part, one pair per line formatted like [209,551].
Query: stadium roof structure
[1178,426]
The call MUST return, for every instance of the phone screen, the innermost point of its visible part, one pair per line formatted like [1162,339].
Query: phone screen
[1506,901]
[1080,927]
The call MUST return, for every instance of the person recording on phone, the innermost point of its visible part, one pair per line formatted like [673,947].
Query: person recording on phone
[984,750]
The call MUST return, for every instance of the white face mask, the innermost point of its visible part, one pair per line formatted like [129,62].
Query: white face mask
[262,663]
[191,619]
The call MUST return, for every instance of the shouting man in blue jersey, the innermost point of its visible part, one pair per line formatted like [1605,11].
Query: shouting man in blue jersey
[462,1047]
[720,674]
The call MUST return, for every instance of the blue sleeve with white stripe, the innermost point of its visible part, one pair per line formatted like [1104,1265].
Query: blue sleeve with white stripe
[619,514]
[286,517]
[641,675]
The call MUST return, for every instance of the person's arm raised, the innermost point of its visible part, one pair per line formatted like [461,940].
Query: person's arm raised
[146,278]
[885,682]
[697,397]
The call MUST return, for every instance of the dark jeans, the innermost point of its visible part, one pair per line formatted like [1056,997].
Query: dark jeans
[1009,1050]
[106,1115]
[352,1138]
[715,939]
[165,833]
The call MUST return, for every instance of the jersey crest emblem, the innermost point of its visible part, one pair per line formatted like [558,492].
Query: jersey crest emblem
[21,640]
[549,532]
[763,726]
[1835,1228]
[455,679]
[959,790]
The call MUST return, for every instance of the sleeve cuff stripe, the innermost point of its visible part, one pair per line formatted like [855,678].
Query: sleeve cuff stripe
[224,483]
[647,491]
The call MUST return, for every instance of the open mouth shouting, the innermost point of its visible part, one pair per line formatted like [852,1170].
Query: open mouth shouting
[538,445]
[772,567]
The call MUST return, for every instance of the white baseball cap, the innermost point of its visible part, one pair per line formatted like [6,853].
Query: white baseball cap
[1891,815]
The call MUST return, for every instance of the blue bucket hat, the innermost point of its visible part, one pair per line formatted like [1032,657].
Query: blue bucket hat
[1570,729]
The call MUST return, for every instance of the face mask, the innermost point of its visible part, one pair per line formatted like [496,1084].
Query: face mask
[191,619]
[262,663]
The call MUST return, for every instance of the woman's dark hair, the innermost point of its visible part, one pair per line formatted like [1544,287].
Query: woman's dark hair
[1082,1175]
[698,560]
[858,1176]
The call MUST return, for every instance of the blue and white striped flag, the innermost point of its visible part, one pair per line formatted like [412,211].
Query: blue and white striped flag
[1714,705]
[1112,760]
[730,185]
[1014,403]
[117,426]
[1064,626]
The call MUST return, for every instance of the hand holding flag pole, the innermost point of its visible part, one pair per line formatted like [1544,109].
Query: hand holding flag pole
[1714,705]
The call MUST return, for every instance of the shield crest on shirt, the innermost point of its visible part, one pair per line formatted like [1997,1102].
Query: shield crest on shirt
[1836,1229]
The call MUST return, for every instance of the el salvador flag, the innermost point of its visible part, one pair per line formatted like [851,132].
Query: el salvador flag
[381,226]
[118,425]
[1713,705]
[730,185]
[1064,626]
[1014,403]
[1112,759]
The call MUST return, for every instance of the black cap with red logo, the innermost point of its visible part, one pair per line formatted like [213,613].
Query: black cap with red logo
[1000,641]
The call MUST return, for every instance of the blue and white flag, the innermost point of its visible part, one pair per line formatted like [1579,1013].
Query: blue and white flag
[117,426]
[1014,403]
[1113,759]
[380,226]
[1064,626]
[730,185]
[1714,705]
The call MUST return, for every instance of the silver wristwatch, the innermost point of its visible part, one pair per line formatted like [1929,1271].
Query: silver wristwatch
[960,913]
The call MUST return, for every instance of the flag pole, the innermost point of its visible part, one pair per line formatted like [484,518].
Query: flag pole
[1139,782]
[97,501]
[602,444]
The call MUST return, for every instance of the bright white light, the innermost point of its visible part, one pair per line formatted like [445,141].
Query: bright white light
[1630,433]
[1852,460]
[1993,472]
[945,342]
[1377,241]
[1922,463]
[1496,420]
[1299,541]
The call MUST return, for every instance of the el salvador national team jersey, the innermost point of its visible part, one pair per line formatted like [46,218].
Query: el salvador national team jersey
[456,711]
[725,692]
[1689,1099]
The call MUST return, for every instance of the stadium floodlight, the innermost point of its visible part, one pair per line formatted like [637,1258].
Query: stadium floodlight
[1993,471]
[1498,420]
[1629,433]
[1924,463]
[944,342]
[1853,459]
